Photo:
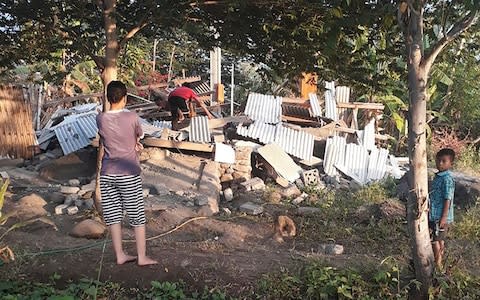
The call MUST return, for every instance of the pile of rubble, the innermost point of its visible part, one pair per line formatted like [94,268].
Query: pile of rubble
[77,197]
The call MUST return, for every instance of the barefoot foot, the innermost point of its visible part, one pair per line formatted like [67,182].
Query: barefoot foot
[146,261]
[125,259]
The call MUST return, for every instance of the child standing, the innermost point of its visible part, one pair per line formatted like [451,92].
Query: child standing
[120,181]
[441,203]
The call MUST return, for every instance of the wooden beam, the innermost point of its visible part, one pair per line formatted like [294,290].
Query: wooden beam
[217,123]
[71,99]
[377,136]
[154,142]
[299,120]
[288,100]
[361,105]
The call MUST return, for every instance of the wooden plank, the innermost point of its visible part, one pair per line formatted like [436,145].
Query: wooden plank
[288,100]
[154,142]
[71,99]
[377,136]
[361,105]
[218,123]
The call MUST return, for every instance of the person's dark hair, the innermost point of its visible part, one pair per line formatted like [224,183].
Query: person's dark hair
[446,152]
[116,90]
[187,84]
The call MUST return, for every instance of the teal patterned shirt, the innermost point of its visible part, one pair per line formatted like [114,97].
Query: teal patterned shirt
[443,188]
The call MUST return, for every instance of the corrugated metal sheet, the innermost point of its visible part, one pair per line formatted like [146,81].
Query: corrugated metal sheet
[368,138]
[264,108]
[342,95]
[71,137]
[295,110]
[199,131]
[202,88]
[316,110]
[334,155]
[377,165]
[295,142]
[356,162]
[88,124]
[162,124]
[330,103]
[263,132]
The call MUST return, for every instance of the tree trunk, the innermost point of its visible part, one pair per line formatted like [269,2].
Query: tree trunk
[109,73]
[417,214]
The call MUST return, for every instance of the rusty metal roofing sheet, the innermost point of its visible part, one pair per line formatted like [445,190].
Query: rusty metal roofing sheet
[265,108]
[295,142]
[71,137]
[316,110]
[199,131]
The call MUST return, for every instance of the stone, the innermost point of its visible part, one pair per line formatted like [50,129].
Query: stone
[299,184]
[87,195]
[251,208]
[229,171]
[240,176]
[88,203]
[61,209]
[243,169]
[180,193]
[72,210]
[228,194]
[74,182]
[69,189]
[89,229]
[89,187]
[331,249]
[244,163]
[4,175]
[200,200]
[226,178]
[31,206]
[254,184]
[227,211]
[70,199]
[308,211]
[79,203]
[146,192]
[274,197]
[210,208]
[291,191]
[56,198]
[300,198]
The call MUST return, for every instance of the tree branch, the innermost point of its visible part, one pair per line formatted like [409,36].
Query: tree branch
[451,35]
[140,25]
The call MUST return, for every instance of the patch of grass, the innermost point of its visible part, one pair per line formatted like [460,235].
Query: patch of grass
[91,289]
[317,281]
[469,161]
[468,225]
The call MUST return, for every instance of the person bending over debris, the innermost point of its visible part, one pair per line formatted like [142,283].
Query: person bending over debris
[120,181]
[178,101]
[441,203]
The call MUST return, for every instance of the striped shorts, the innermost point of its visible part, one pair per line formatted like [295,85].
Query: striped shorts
[119,193]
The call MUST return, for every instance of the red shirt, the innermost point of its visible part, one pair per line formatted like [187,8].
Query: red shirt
[183,92]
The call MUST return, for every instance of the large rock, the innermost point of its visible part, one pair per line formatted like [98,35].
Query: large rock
[89,229]
[31,206]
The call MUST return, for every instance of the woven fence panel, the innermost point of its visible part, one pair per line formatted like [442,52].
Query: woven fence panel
[16,131]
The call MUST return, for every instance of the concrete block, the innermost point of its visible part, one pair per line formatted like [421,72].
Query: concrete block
[61,209]
[254,184]
[69,189]
[226,178]
[251,208]
[310,177]
[72,210]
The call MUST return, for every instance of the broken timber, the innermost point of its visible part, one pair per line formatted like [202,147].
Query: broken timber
[154,142]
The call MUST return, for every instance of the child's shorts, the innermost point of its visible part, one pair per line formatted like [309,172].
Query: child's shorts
[437,235]
[122,193]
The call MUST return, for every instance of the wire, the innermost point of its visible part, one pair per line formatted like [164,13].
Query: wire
[104,242]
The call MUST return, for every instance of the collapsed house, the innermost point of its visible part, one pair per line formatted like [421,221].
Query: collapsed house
[291,141]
